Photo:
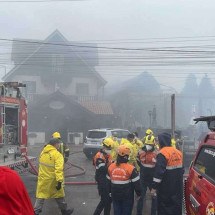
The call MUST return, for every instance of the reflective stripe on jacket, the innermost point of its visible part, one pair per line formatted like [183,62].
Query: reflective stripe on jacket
[51,164]
[147,159]
[120,173]
[124,178]
[101,161]
[168,180]
[173,157]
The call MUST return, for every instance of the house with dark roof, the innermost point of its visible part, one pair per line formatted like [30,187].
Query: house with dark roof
[56,64]
[60,74]
[70,117]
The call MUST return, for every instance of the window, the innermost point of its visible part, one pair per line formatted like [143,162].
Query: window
[120,133]
[30,86]
[82,89]
[205,162]
[96,134]
[57,62]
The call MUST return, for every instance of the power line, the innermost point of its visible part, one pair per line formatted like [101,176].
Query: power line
[36,1]
[167,49]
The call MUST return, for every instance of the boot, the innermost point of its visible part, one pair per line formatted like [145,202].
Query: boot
[67,212]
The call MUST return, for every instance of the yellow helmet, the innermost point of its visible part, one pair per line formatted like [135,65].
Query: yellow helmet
[56,135]
[150,139]
[173,142]
[149,132]
[123,150]
[108,142]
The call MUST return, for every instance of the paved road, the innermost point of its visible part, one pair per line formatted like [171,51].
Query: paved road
[83,198]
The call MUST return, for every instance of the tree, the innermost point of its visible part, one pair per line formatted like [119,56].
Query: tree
[191,86]
[205,87]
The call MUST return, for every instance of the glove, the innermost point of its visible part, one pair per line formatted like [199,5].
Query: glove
[138,197]
[65,159]
[58,186]
[153,192]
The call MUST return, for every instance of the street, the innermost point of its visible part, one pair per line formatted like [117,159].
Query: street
[83,198]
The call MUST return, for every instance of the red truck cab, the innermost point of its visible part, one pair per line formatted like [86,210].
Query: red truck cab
[200,183]
[13,127]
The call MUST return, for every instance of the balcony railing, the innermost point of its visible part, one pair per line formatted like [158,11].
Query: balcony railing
[31,98]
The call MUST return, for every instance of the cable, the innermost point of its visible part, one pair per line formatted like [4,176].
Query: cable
[102,47]
[36,1]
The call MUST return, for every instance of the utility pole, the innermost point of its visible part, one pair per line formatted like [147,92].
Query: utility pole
[173,115]
[150,118]
[165,110]
[154,117]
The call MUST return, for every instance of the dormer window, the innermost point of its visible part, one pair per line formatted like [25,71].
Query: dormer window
[57,62]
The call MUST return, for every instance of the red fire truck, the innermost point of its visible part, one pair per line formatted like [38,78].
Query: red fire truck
[13,127]
[200,183]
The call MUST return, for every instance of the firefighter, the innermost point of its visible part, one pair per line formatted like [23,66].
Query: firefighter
[137,141]
[168,178]
[148,132]
[114,145]
[64,149]
[115,136]
[133,151]
[146,160]
[123,180]
[173,142]
[101,162]
[51,178]
[135,148]
[14,198]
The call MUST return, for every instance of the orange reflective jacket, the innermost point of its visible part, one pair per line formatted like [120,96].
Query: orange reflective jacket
[147,159]
[120,174]
[101,159]
[123,179]
[173,156]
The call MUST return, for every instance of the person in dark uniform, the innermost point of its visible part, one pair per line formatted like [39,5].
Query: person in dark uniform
[123,180]
[146,159]
[168,178]
[101,161]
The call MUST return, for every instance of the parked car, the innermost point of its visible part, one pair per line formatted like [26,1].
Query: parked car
[94,138]
[200,183]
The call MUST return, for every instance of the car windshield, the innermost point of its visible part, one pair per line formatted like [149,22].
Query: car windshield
[96,134]
[205,162]
[120,133]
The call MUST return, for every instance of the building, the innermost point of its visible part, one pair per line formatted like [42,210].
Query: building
[62,83]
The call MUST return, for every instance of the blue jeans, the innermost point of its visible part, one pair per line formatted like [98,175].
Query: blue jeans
[144,185]
[123,207]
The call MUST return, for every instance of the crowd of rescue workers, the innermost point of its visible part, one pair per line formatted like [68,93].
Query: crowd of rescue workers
[124,171]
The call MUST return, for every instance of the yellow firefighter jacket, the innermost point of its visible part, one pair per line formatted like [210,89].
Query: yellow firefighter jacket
[51,164]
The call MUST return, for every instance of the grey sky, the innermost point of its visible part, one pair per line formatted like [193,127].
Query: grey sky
[100,20]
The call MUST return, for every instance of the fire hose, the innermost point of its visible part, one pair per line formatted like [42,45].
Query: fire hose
[35,172]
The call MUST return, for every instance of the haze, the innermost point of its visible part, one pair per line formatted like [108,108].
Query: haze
[121,23]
